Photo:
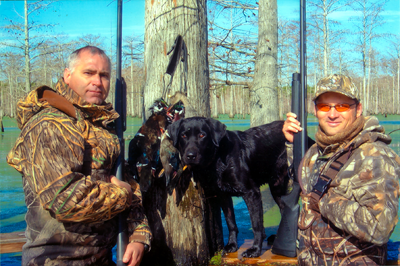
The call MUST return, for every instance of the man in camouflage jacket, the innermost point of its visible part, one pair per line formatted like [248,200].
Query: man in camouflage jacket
[65,153]
[351,222]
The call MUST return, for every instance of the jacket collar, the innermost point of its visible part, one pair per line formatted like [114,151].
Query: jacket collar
[31,105]
[103,113]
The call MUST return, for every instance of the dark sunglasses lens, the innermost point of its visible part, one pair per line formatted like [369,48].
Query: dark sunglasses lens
[342,107]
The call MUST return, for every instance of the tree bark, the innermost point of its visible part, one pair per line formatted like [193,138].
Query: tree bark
[184,224]
[163,24]
[26,51]
[215,109]
[231,101]
[264,102]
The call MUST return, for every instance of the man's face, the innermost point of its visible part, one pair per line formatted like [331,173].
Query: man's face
[333,122]
[90,78]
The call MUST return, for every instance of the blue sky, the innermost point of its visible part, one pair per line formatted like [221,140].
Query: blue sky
[76,18]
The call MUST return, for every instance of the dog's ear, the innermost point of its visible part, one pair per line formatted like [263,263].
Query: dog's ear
[218,132]
[173,131]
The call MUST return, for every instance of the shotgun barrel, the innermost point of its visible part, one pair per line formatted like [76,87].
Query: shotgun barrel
[120,107]
[286,237]
[285,240]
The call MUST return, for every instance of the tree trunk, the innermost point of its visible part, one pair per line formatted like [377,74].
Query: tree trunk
[184,224]
[231,101]
[26,51]
[326,42]
[12,103]
[264,102]
[377,100]
[223,90]
[163,24]
[133,95]
[398,84]
[242,110]
[215,109]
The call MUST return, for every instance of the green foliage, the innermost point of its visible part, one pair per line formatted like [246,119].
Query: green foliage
[217,259]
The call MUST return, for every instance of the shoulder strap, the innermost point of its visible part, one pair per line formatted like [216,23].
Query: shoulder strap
[324,180]
[57,101]
[179,54]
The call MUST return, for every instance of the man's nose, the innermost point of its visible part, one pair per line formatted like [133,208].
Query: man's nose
[332,112]
[96,80]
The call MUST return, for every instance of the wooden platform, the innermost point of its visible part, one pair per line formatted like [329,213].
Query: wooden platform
[12,242]
[266,258]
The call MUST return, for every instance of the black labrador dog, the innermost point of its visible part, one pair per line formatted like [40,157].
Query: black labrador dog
[235,163]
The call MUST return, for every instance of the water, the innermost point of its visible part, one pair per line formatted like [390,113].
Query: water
[12,205]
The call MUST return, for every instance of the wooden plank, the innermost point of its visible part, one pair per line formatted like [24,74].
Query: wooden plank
[266,257]
[12,242]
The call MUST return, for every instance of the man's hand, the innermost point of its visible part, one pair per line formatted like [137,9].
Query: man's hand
[133,254]
[123,184]
[291,126]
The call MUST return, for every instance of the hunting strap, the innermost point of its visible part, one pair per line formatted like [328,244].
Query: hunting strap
[57,101]
[324,180]
[179,55]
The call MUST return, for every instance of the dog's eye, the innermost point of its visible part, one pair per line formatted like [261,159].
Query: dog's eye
[202,135]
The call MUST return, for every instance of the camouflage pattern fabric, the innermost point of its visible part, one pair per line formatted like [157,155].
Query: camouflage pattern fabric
[358,212]
[66,164]
[337,83]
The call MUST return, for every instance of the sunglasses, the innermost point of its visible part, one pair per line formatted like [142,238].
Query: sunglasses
[343,107]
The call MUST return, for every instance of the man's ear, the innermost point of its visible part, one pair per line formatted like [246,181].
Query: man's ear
[218,132]
[359,110]
[67,75]
[173,131]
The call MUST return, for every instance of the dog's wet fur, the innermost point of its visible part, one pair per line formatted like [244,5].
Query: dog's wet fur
[235,163]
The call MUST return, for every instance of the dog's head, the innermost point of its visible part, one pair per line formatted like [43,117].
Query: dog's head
[197,139]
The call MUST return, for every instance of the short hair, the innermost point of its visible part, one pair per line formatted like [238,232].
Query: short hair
[73,58]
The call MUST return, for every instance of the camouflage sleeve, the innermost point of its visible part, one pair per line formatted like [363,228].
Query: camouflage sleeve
[138,227]
[365,204]
[49,153]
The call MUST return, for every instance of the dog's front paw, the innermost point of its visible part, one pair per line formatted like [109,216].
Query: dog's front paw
[252,252]
[230,247]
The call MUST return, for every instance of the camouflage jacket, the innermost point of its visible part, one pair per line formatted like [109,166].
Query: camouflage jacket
[66,164]
[358,212]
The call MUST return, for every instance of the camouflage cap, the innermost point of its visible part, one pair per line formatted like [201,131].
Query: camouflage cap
[337,83]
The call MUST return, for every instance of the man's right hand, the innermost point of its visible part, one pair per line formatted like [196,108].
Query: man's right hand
[123,184]
[291,126]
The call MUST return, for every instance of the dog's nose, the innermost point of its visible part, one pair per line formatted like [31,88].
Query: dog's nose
[191,156]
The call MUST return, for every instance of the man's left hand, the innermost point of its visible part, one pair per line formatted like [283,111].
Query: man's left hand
[133,254]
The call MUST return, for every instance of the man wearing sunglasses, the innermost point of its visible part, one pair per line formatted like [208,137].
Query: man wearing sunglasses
[348,179]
